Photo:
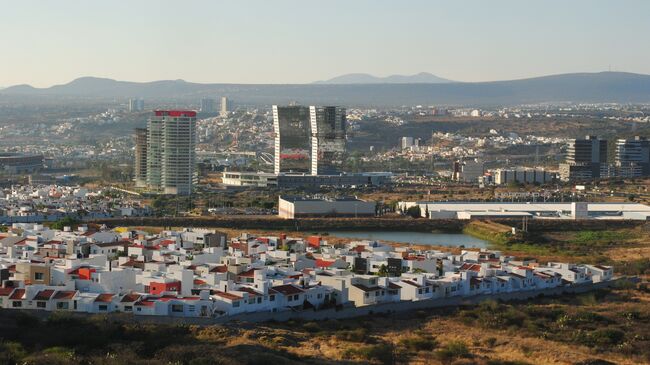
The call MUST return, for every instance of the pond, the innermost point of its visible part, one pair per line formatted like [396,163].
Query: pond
[419,238]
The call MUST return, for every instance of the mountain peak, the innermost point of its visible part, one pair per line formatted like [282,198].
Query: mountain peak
[364,78]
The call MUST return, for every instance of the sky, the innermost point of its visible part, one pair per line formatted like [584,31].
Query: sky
[47,42]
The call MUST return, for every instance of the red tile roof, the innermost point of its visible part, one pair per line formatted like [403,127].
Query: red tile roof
[287,289]
[219,269]
[130,298]
[6,291]
[65,294]
[359,249]
[167,242]
[471,267]
[229,296]
[249,291]
[412,283]
[104,298]
[18,294]
[44,295]
[145,303]
[249,274]
[323,263]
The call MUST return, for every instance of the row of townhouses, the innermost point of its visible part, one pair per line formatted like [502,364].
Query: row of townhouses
[203,273]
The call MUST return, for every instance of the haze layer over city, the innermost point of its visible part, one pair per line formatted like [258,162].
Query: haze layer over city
[353,182]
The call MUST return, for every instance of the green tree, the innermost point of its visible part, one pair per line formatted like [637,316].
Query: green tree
[414,211]
[64,222]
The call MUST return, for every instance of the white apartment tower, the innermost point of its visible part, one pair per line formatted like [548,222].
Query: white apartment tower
[171,155]
[225,106]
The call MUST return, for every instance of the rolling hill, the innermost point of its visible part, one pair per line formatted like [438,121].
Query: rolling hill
[576,87]
[361,78]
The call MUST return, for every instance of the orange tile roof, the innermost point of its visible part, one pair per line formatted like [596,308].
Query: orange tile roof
[44,295]
[104,298]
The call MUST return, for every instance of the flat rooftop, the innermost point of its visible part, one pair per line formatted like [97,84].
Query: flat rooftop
[313,199]
[533,207]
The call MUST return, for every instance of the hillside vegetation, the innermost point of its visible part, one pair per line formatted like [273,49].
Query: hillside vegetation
[604,327]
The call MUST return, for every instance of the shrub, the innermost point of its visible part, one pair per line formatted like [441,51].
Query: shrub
[452,350]
[356,335]
[606,337]
[11,352]
[490,341]
[311,327]
[380,352]
[414,343]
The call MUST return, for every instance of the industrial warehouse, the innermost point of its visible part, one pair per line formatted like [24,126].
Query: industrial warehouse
[290,207]
[575,210]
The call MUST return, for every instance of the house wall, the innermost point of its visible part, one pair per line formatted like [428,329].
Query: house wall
[36,274]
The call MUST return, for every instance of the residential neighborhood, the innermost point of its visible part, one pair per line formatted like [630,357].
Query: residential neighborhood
[48,203]
[204,273]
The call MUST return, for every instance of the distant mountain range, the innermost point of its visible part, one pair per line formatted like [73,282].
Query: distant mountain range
[575,87]
[361,78]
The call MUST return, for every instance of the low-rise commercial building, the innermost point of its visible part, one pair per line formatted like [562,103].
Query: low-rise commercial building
[303,181]
[575,210]
[291,207]
[17,163]
[523,176]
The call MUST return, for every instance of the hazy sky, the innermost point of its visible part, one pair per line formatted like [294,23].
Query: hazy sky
[285,41]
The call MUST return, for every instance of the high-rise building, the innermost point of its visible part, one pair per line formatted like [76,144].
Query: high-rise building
[292,130]
[154,152]
[140,165]
[468,171]
[207,105]
[136,105]
[225,106]
[586,159]
[588,150]
[327,139]
[407,142]
[633,157]
[171,154]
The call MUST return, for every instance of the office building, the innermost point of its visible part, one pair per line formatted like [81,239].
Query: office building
[136,105]
[327,139]
[309,139]
[170,151]
[468,171]
[140,164]
[207,105]
[292,132]
[589,150]
[225,106]
[633,157]
[18,163]
[586,159]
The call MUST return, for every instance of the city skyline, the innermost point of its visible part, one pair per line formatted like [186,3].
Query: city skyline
[292,42]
